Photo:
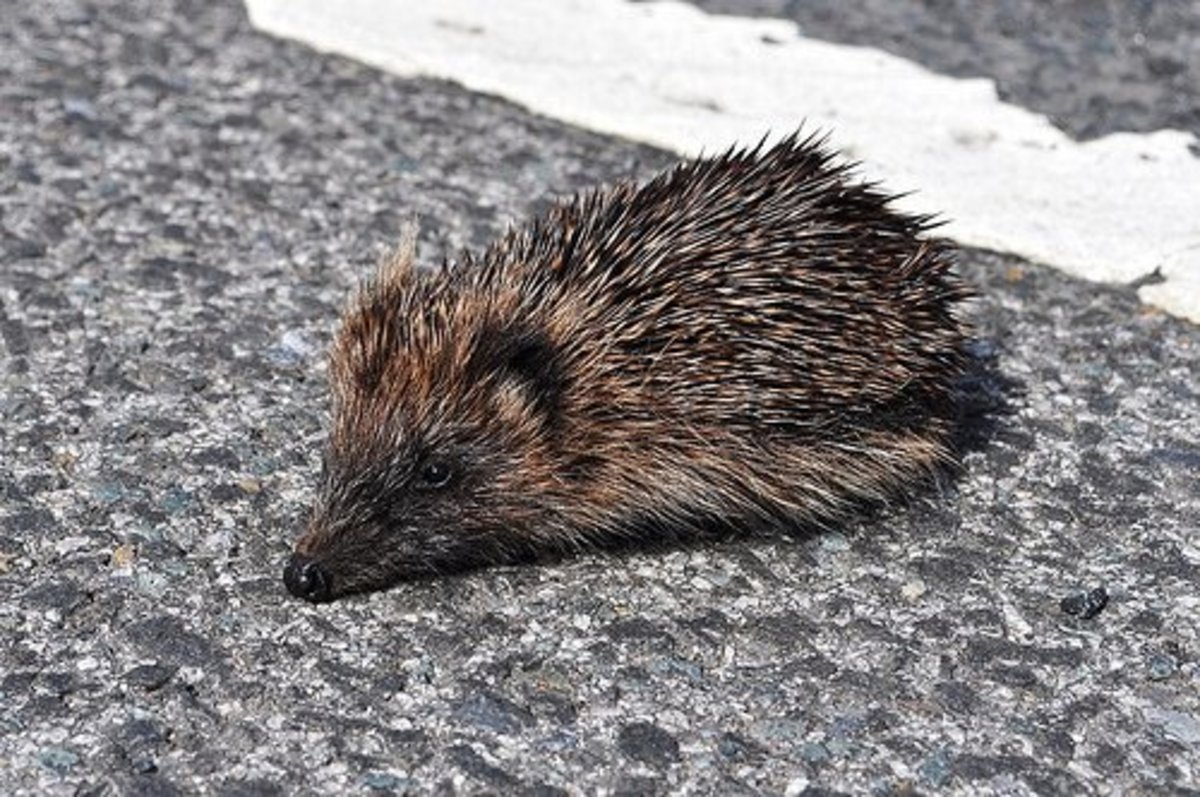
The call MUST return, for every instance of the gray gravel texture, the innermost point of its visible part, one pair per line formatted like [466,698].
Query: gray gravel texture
[1092,66]
[184,205]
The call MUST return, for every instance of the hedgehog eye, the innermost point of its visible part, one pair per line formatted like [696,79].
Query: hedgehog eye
[435,474]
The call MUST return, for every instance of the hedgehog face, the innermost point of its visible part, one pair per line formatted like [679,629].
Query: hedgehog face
[434,461]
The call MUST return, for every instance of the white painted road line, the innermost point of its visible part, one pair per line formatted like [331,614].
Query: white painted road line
[1114,209]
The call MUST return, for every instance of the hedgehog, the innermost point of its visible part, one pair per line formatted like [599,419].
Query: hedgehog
[753,340]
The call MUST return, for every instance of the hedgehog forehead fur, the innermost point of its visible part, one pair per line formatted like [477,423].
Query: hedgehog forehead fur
[418,362]
[750,338]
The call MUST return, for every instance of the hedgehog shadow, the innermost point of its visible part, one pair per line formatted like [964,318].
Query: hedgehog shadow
[983,398]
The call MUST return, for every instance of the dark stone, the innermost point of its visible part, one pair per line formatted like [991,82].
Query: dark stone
[164,273]
[817,666]
[389,684]
[783,631]
[225,493]
[150,429]
[934,627]
[59,684]
[15,683]
[990,650]
[219,456]
[22,248]
[494,713]
[1147,620]
[342,675]
[634,786]
[1181,453]
[1085,605]
[15,336]
[1047,780]
[957,697]
[167,638]
[984,619]
[152,784]
[944,569]
[972,767]
[1057,744]
[150,677]
[648,743]
[544,790]
[32,521]
[712,626]
[738,748]
[64,595]
[557,708]
[472,763]
[27,173]
[1088,708]
[1021,677]
[257,787]
[140,741]
[636,628]
[40,708]
[1109,759]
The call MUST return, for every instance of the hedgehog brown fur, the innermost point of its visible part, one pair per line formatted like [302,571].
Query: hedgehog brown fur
[751,339]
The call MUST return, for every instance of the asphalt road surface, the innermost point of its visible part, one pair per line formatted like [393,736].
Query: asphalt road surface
[184,206]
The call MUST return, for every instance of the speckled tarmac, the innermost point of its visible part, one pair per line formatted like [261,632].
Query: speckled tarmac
[184,206]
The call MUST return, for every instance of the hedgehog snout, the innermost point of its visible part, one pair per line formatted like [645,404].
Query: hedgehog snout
[305,578]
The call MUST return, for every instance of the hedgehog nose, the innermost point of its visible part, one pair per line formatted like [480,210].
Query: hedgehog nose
[306,579]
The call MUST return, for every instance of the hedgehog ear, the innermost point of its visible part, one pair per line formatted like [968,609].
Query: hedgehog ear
[529,358]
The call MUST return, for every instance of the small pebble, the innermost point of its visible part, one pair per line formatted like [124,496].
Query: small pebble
[291,350]
[1085,605]
[176,500]
[149,676]
[58,759]
[64,460]
[1162,666]
[937,769]
[80,108]
[383,781]
[796,787]
[814,752]
[123,555]
[69,545]
[250,485]
[834,543]
[912,590]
